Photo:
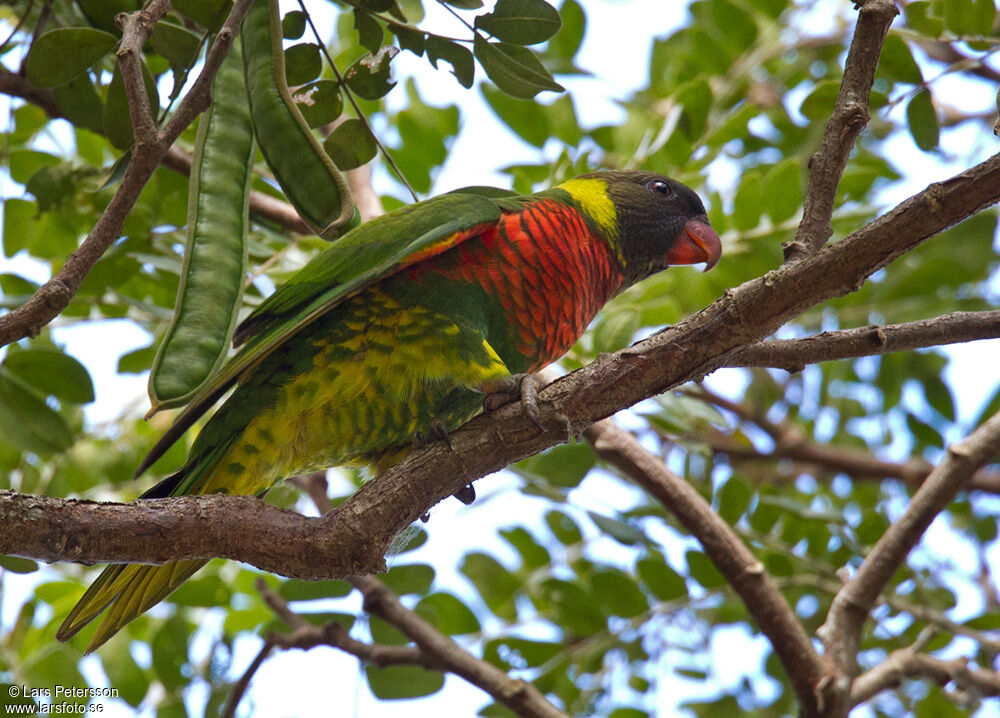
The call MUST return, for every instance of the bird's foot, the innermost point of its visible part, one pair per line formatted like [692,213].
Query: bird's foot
[511,388]
[437,432]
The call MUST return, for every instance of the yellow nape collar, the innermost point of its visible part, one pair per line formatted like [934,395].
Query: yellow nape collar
[592,196]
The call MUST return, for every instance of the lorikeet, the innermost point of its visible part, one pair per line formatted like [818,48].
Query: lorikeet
[404,324]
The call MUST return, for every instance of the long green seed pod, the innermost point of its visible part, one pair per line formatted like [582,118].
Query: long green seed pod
[215,256]
[305,172]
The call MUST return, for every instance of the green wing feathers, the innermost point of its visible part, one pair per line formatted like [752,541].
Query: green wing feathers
[130,590]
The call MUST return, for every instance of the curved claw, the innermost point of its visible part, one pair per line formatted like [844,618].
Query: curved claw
[511,388]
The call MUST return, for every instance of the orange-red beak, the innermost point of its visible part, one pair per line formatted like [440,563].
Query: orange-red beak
[698,243]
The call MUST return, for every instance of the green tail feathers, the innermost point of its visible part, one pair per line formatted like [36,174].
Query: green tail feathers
[130,590]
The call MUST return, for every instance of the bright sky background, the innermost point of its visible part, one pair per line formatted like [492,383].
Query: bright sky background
[297,683]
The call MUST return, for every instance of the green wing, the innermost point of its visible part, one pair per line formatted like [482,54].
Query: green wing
[365,255]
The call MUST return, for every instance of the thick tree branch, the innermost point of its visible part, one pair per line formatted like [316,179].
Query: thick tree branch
[53,296]
[742,570]
[793,355]
[841,633]
[241,528]
[849,117]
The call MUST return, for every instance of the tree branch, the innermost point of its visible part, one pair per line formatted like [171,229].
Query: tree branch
[907,663]
[53,296]
[789,443]
[742,570]
[849,117]
[518,695]
[793,355]
[841,632]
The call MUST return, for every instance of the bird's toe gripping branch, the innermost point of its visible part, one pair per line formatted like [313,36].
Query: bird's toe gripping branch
[523,387]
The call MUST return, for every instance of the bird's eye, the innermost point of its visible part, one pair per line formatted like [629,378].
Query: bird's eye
[660,187]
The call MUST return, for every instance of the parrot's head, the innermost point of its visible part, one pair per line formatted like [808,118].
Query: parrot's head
[658,222]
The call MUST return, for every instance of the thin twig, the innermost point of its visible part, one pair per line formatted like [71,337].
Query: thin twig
[793,355]
[849,117]
[243,684]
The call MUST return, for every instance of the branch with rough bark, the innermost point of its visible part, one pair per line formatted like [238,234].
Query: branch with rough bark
[793,355]
[150,147]
[849,117]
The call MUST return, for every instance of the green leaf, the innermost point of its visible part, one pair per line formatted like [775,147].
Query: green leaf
[460,59]
[178,44]
[207,13]
[919,17]
[819,103]
[525,117]
[533,554]
[922,121]
[702,570]
[169,647]
[576,608]
[783,189]
[748,204]
[53,373]
[18,564]
[27,422]
[665,583]
[409,39]
[303,63]
[350,145]
[563,528]
[207,591]
[123,672]
[396,682]
[496,585]
[465,4]
[620,531]
[959,16]
[897,62]
[522,22]
[618,593]
[60,55]
[448,614]
[733,499]
[563,465]
[409,578]
[370,33]
[293,25]
[320,102]
[101,13]
[79,102]
[369,76]
[509,652]
[514,69]
[696,99]
[566,43]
